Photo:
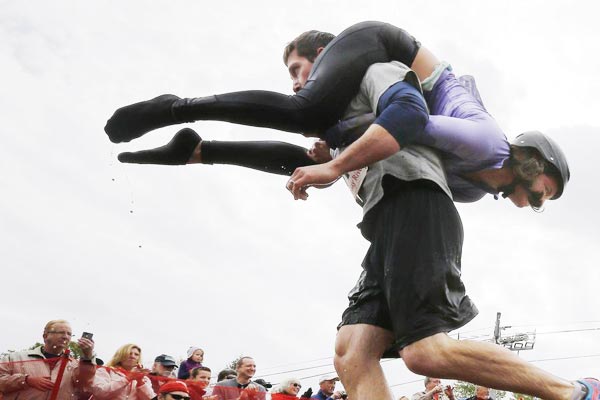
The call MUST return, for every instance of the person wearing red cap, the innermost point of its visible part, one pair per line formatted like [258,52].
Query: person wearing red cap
[175,390]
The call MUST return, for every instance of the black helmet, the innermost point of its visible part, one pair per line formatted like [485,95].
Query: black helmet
[551,153]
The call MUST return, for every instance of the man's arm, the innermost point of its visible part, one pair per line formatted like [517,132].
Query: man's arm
[375,145]
[9,381]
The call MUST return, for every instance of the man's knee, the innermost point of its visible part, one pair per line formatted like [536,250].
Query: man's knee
[360,344]
[428,356]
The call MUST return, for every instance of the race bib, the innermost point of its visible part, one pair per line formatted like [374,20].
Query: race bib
[354,180]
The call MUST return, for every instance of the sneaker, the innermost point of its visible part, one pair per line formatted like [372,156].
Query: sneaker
[593,387]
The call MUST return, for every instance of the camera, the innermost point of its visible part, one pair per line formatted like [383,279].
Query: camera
[344,395]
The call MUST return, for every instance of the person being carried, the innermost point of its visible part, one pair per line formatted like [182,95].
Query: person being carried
[477,157]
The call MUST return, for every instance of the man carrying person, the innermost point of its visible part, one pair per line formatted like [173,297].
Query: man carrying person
[32,374]
[410,293]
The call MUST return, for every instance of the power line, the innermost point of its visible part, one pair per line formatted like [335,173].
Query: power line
[473,338]
[568,331]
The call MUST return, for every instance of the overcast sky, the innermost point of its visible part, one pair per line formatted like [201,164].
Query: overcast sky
[222,257]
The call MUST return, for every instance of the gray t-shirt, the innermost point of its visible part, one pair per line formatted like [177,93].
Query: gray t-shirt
[411,162]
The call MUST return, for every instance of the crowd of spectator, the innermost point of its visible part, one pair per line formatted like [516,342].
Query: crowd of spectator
[49,372]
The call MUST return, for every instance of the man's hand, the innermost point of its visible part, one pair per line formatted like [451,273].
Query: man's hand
[319,152]
[249,392]
[336,395]
[449,391]
[42,383]
[304,177]
[87,348]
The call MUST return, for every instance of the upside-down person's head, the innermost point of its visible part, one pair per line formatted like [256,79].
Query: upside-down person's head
[300,54]
[540,168]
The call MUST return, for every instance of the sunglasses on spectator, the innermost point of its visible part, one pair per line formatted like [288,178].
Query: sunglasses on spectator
[297,385]
[179,396]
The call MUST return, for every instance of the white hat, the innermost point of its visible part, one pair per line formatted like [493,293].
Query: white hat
[328,377]
[191,350]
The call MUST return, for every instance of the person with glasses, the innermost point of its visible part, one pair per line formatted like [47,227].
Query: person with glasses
[242,386]
[31,374]
[288,389]
[163,370]
[174,390]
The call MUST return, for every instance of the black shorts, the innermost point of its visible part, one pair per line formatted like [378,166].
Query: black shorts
[410,283]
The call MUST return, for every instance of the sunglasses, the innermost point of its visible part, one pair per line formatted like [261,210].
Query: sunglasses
[179,396]
[297,385]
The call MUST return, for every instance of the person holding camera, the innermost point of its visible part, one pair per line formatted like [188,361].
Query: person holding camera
[434,390]
[32,374]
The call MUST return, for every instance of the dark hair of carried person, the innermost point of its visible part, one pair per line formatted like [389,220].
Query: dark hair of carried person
[307,44]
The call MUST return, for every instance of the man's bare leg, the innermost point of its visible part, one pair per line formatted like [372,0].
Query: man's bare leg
[358,349]
[483,364]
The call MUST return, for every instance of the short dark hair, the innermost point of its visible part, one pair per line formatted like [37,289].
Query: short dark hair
[197,370]
[240,361]
[307,44]
[224,373]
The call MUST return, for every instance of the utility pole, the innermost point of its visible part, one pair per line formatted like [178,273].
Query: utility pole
[515,342]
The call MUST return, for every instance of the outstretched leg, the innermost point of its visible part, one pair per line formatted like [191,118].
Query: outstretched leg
[178,151]
[187,147]
[334,80]
[484,364]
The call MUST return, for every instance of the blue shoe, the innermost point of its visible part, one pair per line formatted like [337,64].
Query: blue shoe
[593,387]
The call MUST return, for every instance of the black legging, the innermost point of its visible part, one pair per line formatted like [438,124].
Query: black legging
[334,80]
[268,156]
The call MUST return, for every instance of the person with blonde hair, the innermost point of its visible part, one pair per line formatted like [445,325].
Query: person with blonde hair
[124,377]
